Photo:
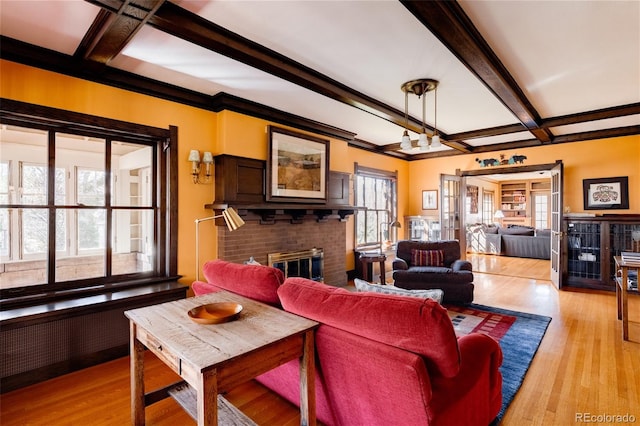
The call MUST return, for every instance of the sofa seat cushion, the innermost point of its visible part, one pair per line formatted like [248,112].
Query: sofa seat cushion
[362,285]
[256,282]
[433,274]
[418,325]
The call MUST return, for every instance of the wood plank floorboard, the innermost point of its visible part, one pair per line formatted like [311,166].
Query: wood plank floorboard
[582,366]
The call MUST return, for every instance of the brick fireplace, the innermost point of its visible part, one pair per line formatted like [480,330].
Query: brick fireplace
[258,240]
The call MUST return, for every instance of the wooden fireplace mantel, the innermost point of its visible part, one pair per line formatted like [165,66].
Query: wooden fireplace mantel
[240,183]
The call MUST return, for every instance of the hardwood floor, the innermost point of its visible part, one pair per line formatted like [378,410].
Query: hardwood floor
[581,368]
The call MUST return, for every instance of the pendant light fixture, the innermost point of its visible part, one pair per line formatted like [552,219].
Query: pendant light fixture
[435,140]
[419,88]
[406,141]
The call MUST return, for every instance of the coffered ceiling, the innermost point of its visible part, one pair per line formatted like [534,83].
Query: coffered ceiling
[512,74]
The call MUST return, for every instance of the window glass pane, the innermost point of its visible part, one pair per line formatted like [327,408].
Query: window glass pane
[133,248]
[4,182]
[35,233]
[131,163]
[5,239]
[90,187]
[91,229]
[84,160]
[87,258]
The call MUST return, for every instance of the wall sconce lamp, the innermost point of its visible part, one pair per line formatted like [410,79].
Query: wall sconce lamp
[393,224]
[207,160]
[233,221]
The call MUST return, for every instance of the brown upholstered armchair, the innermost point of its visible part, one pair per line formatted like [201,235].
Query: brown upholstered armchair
[434,264]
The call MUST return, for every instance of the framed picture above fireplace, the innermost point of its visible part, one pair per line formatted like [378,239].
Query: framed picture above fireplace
[297,167]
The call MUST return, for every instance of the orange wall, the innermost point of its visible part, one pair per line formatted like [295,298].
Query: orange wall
[235,134]
[582,160]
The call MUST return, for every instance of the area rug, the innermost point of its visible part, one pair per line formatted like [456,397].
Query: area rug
[518,333]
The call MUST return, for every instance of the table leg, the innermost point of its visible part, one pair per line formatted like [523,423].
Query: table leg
[383,274]
[207,395]
[137,377]
[625,306]
[307,381]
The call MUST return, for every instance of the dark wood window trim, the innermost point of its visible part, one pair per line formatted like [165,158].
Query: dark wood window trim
[166,140]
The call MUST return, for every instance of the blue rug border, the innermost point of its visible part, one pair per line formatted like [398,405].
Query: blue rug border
[533,327]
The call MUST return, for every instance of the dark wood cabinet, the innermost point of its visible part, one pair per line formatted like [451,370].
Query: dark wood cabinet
[240,183]
[590,245]
[239,179]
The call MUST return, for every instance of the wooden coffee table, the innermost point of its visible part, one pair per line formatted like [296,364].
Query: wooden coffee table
[215,358]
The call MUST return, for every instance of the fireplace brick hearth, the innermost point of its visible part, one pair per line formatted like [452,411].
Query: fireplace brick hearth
[254,239]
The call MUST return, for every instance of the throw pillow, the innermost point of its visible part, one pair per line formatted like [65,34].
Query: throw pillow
[362,285]
[427,257]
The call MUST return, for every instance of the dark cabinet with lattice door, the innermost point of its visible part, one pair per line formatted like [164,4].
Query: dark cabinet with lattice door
[590,245]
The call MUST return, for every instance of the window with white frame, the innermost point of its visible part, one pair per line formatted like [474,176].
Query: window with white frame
[375,193]
[488,206]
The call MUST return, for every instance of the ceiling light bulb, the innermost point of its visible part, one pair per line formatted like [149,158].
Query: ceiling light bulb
[435,141]
[406,142]
[423,142]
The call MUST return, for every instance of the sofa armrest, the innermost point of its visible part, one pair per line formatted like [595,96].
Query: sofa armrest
[461,265]
[399,265]
[200,287]
[479,351]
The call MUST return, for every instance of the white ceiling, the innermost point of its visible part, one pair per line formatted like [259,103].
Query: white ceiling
[567,57]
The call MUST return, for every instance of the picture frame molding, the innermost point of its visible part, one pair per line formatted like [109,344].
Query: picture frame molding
[590,185]
[278,137]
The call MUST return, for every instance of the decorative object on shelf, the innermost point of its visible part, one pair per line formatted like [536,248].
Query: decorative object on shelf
[419,88]
[196,166]
[297,167]
[503,161]
[233,221]
[606,193]
[385,244]
[430,199]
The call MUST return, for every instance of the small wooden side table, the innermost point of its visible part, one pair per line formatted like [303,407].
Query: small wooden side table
[621,293]
[368,259]
[212,359]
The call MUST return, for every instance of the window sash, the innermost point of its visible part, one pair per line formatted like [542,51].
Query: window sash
[159,202]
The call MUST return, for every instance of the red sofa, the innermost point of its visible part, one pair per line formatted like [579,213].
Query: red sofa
[381,359]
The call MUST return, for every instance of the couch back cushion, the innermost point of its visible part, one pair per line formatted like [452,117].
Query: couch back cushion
[450,250]
[517,230]
[417,325]
[256,282]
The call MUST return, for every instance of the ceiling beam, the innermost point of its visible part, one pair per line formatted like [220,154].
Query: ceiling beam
[112,29]
[448,22]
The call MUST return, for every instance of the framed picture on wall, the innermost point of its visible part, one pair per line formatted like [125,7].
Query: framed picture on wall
[472,194]
[297,167]
[430,199]
[606,193]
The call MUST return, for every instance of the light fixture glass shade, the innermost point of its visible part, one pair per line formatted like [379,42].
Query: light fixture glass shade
[194,155]
[232,219]
[423,141]
[435,141]
[207,158]
[406,141]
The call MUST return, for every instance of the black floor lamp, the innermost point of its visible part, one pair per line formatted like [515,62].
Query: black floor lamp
[233,221]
